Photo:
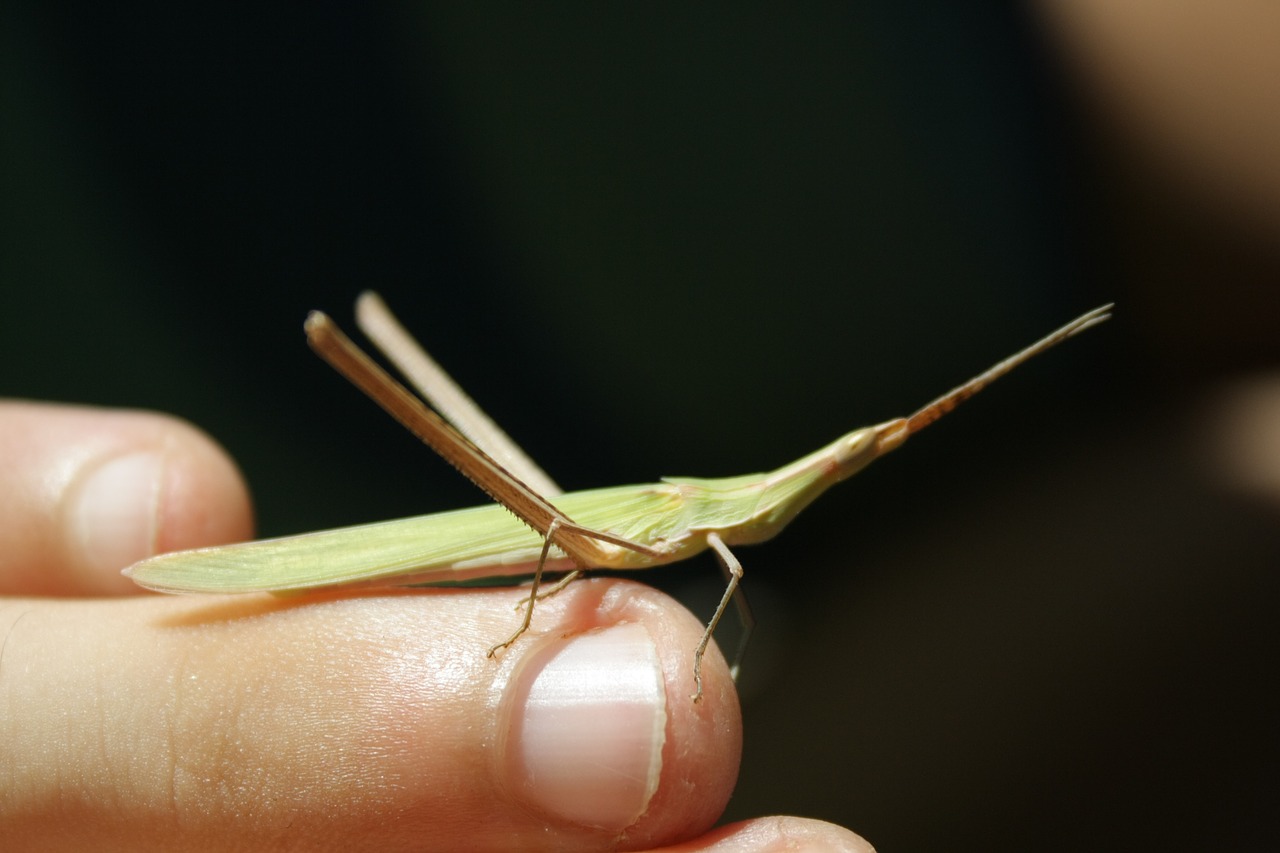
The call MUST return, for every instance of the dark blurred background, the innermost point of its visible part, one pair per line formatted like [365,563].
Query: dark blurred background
[703,242]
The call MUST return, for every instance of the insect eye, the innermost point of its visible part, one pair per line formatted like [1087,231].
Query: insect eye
[855,449]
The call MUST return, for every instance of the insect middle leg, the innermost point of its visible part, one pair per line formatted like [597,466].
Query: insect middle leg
[563,526]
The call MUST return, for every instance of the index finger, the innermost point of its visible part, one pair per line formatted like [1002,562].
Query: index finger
[371,721]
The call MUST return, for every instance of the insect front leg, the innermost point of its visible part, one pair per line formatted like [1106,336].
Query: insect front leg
[733,574]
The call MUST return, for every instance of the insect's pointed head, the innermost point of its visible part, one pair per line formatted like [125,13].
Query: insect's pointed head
[891,434]
[854,451]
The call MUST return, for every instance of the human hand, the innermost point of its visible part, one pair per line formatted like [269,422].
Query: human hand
[352,720]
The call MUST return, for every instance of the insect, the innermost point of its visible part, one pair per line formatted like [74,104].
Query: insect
[545,530]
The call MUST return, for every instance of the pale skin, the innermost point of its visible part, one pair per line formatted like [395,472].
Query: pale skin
[163,722]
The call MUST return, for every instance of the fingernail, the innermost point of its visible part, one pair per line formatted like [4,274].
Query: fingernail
[589,736]
[114,512]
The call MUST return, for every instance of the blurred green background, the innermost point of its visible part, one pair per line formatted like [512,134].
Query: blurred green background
[702,242]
